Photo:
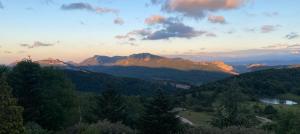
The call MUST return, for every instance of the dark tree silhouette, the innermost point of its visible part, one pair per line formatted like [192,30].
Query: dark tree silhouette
[159,117]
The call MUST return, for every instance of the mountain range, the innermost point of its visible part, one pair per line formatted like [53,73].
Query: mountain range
[154,61]
[153,67]
[149,67]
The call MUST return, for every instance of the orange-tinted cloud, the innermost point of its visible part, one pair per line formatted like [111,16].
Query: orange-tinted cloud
[199,8]
[154,19]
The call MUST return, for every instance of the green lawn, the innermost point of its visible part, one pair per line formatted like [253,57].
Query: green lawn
[198,118]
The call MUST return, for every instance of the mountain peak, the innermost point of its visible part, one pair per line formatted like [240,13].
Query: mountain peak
[144,56]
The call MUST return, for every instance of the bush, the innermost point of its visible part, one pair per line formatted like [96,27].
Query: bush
[34,128]
[102,127]
[229,130]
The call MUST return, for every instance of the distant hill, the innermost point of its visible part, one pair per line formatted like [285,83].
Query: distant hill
[195,77]
[257,67]
[270,82]
[97,82]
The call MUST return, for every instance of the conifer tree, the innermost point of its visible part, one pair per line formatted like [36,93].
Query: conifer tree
[159,117]
[11,120]
[110,106]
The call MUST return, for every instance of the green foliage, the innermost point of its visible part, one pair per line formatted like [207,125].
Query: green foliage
[11,121]
[59,102]
[288,123]
[105,127]
[101,127]
[47,96]
[270,111]
[159,117]
[110,106]
[99,82]
[3,70]
[25,80]
[229,130]
[33,128]
[230,112]
[195,77]
[267,83]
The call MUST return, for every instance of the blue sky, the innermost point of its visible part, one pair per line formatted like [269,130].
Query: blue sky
[43,28]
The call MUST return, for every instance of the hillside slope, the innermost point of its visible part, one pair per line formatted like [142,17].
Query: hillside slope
[270,82]
[98,82]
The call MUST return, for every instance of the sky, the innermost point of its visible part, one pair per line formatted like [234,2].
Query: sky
[78,29]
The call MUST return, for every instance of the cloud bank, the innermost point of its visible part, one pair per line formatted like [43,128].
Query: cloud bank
[169,28]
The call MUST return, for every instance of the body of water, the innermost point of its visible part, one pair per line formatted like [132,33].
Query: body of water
[278,101]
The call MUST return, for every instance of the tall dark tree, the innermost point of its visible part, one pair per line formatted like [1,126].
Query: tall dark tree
[25,79]
[47,96]
[59,107]
[110,106]
[11,120]
[230,112]
[159,117]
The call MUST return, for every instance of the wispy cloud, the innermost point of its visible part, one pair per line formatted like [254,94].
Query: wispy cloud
[269,28]
[119,21]
[36,44]
[271,14]
[292,35]
[283,46]
[88,7]
[217,19]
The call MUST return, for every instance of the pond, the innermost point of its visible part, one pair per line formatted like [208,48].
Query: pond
[278,101]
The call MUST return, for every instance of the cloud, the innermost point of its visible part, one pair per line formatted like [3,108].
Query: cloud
[292,35]
[77,6]
[199,8]
[36,44]
[216,19]
[283,46]
[269,28]
[119,21]
[170,28]
[271,14]
[174,30]
[88,7]
[1,5]
[210,35]
[129,35]
[154,19]
[250,29]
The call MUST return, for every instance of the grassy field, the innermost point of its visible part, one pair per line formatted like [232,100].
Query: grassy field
[198,118]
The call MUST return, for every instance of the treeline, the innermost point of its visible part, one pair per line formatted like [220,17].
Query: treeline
[265,83]
[98,82]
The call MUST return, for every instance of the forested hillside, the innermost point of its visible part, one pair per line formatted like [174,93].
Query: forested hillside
[267,83]
[97,82]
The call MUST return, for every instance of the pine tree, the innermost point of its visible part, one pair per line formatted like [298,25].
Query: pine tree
[11,121]
[110,106]
[230,111]
[159,117]
[25,79]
